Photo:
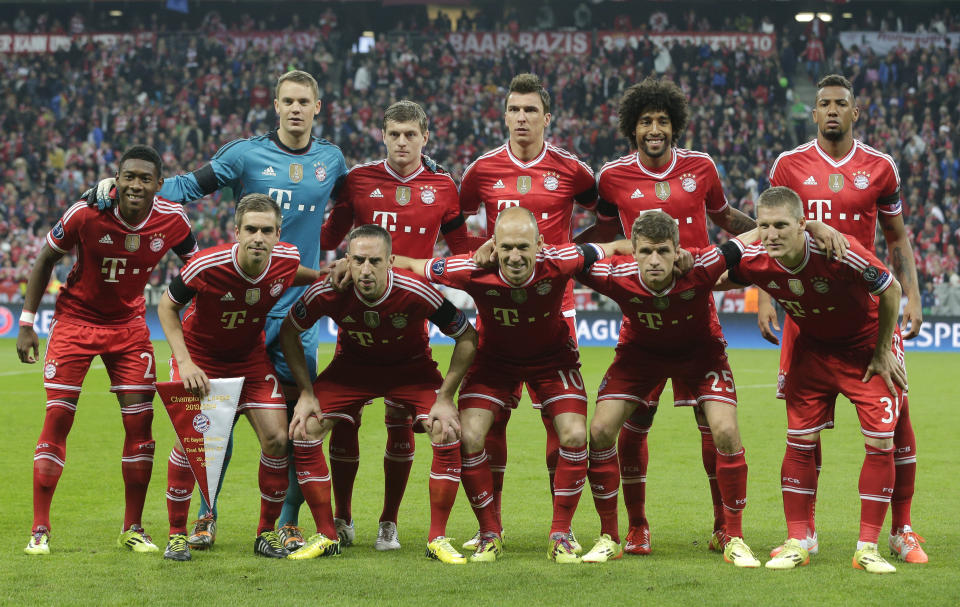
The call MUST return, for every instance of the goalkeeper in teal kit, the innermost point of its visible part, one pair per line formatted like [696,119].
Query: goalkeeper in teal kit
[301,173]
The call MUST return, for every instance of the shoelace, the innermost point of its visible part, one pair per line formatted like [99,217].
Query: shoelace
[273,540]
[178,543]
[203,524]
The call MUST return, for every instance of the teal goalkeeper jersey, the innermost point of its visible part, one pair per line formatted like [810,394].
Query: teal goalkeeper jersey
[301,181]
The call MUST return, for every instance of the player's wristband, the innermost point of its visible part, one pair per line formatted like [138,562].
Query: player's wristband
[27,318]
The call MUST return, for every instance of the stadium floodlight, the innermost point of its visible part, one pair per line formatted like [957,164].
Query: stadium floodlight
[116,13]
[804,17]
[847,15]
[825,17]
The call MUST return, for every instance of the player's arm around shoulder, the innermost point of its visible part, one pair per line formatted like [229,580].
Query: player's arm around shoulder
[28,343]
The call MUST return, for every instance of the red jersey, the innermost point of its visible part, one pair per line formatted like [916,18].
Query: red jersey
[225,321]
[415,209]
[686,189]
[673,320]
[831,301]
[520,324]
[389,331]
[845,194]
[114,260]
[548,186]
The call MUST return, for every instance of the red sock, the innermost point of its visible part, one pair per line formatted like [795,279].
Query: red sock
[444,484]
[798,475]
[905,470]
[568,484]
[496,448]
[732,482]
[553,447]
[876,487]
[812,519]
[397,461]
[708,453]
[49,457]
[604,475]
[344,463]
[137,461]
[314,480]
[478,485]
[179,491]
[273,490]
[632,448]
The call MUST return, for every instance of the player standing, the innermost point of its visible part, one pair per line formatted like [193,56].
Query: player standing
[100,311]
[686,185]
[300,172]
[853,187]
[415,202]
[847,343]
[532,173]
[233,287]
[383,351]
[523,339]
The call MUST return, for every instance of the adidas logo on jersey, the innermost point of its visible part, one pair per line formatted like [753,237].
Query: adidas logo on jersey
[106,240]
[227,297]
[637,194]
[773,285]
[499,185]
[269,172]
[376,193]
[810,181]
[347,319]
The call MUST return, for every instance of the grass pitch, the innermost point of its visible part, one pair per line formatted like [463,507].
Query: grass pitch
[86,567]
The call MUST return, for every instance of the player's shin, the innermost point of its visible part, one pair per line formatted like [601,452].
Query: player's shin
[708,453]
[876,487]
[478,485]
[444,484]
[344,463]
[272,477]
[50,455]
[604,476]
[397,461]
[137,459]
[552,448]
[905,470]
[314,479]
[732,482]
[798,475]
[634,457]
[179,491]
[568,485]
[496,449]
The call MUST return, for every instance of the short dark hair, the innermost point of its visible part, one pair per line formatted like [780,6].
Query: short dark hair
[142,152]
[834,80]
[655,226]
[653,94]
[370,230]
[257,203]
[781,196]
[406,111]
[529,83]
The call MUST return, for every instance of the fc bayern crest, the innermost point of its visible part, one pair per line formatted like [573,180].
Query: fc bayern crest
[398,320]
[795,286]
[156,244]
[320,173]
[543,287]
[688,183]
[550,182]
[688,295]
[49,370]
[131,242]
[201,423]
[861,180]
[820,284]
[275,289]
[518,295]
[427,195]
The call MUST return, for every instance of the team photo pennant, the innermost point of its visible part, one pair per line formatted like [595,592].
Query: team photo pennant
[203,427]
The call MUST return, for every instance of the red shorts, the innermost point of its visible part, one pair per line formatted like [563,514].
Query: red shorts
[571,321]
[261,386]
[817,377]
[494,385]
[126,352]
[345,386]
[636,374]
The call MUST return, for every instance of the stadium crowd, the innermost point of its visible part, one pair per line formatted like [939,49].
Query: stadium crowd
[65,115]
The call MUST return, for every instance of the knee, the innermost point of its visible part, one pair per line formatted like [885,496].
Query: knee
[472,438]
[572,435]
[274,442]
[603,434]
